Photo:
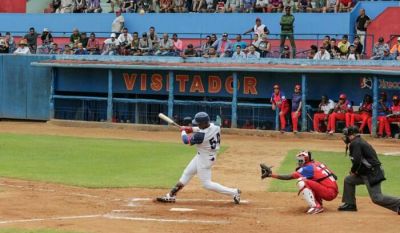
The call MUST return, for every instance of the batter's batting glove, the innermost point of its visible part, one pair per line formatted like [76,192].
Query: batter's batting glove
[187,129]
[265,171]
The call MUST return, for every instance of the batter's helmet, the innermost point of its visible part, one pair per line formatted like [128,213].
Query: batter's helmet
[303,157]
[352,130]
[201,117]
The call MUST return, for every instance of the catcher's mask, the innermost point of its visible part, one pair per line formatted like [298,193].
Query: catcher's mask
[303,157]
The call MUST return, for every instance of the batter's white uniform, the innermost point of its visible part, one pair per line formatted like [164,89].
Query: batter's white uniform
[207,142]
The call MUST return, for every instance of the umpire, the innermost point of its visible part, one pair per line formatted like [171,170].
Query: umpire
[366,170]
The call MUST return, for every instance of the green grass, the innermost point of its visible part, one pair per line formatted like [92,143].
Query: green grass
[341,166]
[92,162]
[12,230]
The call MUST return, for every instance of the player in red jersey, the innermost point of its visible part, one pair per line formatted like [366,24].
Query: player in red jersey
[394,110]
[278,100]
[363,114]
[316,182]
[339,113]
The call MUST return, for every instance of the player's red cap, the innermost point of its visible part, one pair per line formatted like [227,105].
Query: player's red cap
[342,96]
[395,97]
[297,87]
[276,86]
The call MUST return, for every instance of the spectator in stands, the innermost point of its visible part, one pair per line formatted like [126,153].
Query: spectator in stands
[383,110]
[386,55]
[207,44]
[67,50]
[362,22]
[286,52]
[93,6]
[352,55]
[239,42]
[319,5]
[145,45]
[113,3]
[220,7]
[345,5]
[128,6]
[23,48]
[287,21]
[264,47]
[55,49]
[79,6]
[248,125]
[261,6]
[31,39]
[144,6]
[232,5]
[118,23]
[363,114]
[178,44]
[395,51]
[3,47]
[252,54]
[213,38]
[339,113]
[256,41]
[335,51]
[280,103]
[313,51]
[10,42]
[189,52]
[379,49]
[84,39]
[111,45]
[211,53]
[325,108]
[344,45]
[359,47]
[296,107]
[80,50]
[67,6]
[166,46]
[275,6]
[238,54]
[223,46]
[135,44]
[93,44]
[248,6]
[75,38]
[179,6]
[153,37]
[258,29]
[210,5]
[322,54]
[46,39]
[54,6]
[304,6]
[166,6]
[326,44]
[125,40]
[331,6]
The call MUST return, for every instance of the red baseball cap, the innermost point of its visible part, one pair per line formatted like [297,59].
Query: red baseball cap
[342,96]
[276,86]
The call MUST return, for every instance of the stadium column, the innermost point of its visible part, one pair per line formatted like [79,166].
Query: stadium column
[52,91]
[374,105]
[234,100]
[110,97]
[303,103]
[171,94]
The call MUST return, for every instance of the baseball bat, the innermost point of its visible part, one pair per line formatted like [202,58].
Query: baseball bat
[168,120]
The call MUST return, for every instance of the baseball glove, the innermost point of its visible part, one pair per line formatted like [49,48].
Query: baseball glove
[265,171]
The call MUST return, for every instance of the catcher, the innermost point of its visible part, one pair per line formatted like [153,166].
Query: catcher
[316,182]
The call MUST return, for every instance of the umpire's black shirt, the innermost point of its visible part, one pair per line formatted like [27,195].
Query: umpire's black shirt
[363,156]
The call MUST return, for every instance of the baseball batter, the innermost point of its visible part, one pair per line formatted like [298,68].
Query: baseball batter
[207,138]
[315,181]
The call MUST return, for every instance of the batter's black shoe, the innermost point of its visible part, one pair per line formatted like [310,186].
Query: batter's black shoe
[236,198]
[347,207]
[166,199]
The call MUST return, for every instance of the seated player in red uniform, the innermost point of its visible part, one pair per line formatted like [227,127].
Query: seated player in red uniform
[339,113]
[394,110]
[383,110]
[315,181]
[278,100]
[363,114]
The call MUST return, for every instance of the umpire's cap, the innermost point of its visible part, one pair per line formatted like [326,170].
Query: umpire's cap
[201,117]
[352,130]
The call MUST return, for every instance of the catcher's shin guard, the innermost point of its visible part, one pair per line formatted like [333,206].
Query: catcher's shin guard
[307,194]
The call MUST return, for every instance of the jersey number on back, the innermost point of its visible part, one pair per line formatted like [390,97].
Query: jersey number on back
[214,141]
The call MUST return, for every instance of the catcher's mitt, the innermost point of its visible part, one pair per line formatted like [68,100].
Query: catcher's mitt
[265,171]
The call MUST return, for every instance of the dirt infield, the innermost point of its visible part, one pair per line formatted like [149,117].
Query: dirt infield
[27,204]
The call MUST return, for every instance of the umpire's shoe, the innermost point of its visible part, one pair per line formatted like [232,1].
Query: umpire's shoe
[347,207]
[236,198]
[166,199]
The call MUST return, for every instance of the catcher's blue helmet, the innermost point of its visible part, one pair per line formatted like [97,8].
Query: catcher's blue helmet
[201,117]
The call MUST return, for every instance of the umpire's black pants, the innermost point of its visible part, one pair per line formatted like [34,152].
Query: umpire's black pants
[349,193]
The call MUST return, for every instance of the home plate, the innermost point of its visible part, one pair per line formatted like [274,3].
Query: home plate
[181,209]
